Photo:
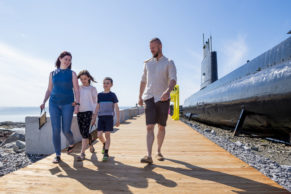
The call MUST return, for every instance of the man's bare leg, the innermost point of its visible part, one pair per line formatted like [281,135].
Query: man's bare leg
[150,139]
[161,137]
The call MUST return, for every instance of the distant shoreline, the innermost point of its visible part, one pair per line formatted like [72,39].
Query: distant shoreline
[18,114]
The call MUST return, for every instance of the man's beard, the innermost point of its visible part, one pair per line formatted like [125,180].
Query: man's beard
[157,54]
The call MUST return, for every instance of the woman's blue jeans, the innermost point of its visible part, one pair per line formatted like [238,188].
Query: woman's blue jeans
[61,117]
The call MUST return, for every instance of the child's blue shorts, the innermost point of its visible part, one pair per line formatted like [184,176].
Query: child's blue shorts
[105,123]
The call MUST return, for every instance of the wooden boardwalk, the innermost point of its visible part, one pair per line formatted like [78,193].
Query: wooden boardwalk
[193,165]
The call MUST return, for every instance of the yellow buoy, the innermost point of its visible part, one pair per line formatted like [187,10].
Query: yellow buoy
[175,99]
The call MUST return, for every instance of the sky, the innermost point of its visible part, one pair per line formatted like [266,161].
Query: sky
[111,38]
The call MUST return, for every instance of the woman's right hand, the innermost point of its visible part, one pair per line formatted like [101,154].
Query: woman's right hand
[42,106]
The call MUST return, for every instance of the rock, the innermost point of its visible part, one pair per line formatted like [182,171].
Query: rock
[9,145]
[1,165]
[246,147]
[20,144]
[238,143]
[18,130]
[255,148]
[18,150]
[13,137]
[207,130]
[4,154]
[213,132]
[288,168]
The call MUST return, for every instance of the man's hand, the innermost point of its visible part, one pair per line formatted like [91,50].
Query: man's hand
[165,96]
[117,123]
[93,121]
[140,101]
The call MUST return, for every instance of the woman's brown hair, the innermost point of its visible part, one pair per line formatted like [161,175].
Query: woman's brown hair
[85,72]
[62,55]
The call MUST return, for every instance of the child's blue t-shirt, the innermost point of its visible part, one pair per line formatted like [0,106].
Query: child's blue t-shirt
[106,102]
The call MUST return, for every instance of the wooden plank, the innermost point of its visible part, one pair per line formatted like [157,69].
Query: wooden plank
[193,164]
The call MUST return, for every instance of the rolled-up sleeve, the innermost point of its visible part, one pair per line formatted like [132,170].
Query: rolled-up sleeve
[144,74]
[172,72]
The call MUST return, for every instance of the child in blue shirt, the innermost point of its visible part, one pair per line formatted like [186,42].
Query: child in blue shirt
[106,107]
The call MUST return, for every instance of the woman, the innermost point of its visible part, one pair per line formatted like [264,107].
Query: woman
[63,84]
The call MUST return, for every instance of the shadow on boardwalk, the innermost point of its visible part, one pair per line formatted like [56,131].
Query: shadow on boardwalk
[111,176]
[249,186]
[114,176]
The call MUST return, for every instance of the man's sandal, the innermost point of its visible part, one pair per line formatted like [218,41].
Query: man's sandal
[147,159]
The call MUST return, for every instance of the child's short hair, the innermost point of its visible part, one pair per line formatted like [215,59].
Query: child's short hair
[109,79]
[85,72]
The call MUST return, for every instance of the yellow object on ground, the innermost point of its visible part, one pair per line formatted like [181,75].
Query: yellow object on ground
[175,99]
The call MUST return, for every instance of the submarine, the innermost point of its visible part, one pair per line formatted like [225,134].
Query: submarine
[256,97]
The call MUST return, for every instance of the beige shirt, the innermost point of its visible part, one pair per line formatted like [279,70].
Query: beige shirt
[157,75]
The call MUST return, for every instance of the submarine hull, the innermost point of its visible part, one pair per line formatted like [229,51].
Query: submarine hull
[262,87]
[269,114]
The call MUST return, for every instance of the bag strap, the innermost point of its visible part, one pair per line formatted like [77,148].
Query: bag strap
[42,110]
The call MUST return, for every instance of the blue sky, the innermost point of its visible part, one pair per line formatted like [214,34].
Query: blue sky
[111,38]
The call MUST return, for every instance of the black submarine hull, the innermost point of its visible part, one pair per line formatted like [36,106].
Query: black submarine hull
[261,86]
[270,114]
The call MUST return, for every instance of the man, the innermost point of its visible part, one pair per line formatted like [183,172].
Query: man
[158,80]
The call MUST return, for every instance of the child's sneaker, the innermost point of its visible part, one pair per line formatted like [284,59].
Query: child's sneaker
[105,157]
[92,149]
[81,157]
[103,149]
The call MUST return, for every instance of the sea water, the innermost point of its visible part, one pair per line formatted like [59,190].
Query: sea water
[18,114]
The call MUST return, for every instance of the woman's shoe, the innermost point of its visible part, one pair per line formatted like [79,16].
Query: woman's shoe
[57,160]
[70,149]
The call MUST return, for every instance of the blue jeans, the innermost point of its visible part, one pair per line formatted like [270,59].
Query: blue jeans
[61,116]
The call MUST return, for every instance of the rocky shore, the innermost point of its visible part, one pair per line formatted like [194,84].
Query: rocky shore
[12,148]
[270,157]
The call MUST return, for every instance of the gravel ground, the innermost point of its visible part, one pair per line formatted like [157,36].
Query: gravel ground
[12,152]
[11,161]
[270,158]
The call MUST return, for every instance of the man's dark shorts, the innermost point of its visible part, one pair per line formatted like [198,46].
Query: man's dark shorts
[105,123]
[156,112]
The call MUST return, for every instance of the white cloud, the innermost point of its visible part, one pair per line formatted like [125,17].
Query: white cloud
[23,79]
[234,54]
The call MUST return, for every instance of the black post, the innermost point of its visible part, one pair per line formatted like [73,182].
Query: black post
[240,122]
[190,117]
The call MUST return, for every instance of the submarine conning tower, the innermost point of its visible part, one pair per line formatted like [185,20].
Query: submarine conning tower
[209,64]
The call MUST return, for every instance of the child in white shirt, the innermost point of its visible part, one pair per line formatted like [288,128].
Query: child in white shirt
[88,102]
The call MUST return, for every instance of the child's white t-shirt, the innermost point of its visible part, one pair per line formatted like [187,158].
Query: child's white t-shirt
[88,98]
